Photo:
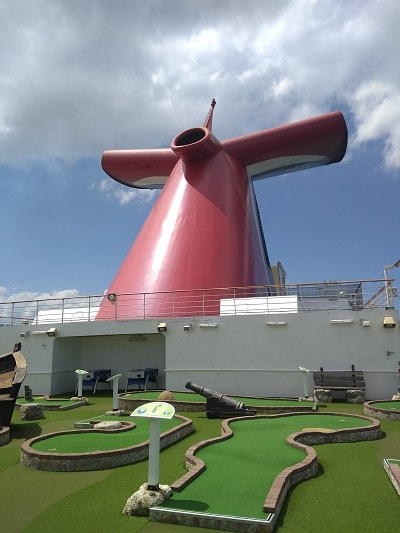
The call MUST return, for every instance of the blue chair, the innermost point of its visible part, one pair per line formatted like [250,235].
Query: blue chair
[141,376]
[103,374]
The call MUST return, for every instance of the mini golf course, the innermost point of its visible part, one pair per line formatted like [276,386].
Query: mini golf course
[350,491]
[52,404]
[235,482]
[239,481]
[388,409]
[99,449]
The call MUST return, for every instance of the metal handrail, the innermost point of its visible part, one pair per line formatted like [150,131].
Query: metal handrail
[270,299]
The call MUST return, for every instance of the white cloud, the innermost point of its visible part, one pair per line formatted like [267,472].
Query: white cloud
[7,295]
[82,77]
[377,116]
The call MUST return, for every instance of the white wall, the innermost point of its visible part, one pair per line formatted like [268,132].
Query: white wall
[240,356]
[244,356]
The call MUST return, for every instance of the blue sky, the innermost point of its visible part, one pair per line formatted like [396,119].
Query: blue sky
[78,78]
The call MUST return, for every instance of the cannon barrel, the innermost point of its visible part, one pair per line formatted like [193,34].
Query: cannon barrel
[208,393]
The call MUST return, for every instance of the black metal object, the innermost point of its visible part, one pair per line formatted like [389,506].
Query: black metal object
[219,405]
[28,393]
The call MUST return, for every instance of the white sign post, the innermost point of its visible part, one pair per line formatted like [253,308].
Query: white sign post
[114,380]
[155,411]
[81,374]
[304,371]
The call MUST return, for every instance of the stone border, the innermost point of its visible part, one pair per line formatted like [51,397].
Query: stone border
[393,471]
[4,435]
[56,406]
[289,477]
[371,409]
[77,462]
[130,404]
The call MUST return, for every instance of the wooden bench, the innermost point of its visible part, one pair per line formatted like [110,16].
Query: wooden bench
[339,380]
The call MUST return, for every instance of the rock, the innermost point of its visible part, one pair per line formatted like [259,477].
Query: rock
[109,424]
[31,411]
[79,399]
[355,396]
[166,395]
[140,502]
[323,395]
[306,399]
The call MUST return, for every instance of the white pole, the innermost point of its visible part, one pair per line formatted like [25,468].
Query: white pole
[154,455]
[115,395]
[80,374]
[154,411]
[305,386]
[114,380]
[304,371]
[388,286]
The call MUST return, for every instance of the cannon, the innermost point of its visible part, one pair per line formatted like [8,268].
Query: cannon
[219,405]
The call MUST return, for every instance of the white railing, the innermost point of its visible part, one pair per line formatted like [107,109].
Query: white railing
[347,295]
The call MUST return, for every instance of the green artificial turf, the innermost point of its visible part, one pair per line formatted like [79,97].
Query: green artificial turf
[393,405]
[255,455]
[48,401]
[351,492]
[198,398]
[92,440]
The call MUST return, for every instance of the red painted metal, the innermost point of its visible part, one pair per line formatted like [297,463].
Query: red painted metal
[203,231]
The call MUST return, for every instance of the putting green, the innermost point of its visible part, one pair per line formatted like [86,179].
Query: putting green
[392,405]
[92,440]
[240,470]
[56,403]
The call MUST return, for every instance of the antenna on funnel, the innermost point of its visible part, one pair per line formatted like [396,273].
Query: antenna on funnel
[208,121]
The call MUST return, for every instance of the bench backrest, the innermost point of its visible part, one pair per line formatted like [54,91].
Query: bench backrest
[339,378]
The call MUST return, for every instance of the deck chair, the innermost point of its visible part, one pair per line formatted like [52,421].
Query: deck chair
[141,376]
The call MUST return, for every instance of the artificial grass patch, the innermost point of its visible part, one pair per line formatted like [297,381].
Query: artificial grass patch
[240,470]
[51,403]
[391,405]
[92,440]
[198,398]
[93,501]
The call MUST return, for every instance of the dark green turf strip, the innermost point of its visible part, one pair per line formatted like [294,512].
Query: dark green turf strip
[193,397]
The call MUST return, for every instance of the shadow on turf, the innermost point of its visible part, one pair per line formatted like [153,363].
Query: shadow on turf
[25,431]
[187,505]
